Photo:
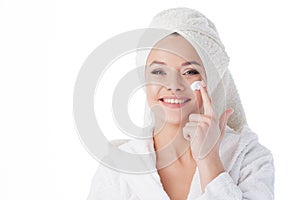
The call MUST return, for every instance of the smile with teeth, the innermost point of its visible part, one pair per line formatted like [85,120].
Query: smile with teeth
[174,101]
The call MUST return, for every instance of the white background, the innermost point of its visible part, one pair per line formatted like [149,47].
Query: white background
[44,43]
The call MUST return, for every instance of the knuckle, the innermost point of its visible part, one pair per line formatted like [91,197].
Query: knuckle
[188,124]
[205,124]
[193,116]
[185,130]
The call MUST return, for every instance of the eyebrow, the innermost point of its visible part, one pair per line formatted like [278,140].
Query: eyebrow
[183,64]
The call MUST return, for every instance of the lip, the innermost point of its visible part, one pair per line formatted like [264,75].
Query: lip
[174,105]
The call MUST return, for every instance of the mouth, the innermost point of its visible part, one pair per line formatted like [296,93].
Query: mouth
[174,102]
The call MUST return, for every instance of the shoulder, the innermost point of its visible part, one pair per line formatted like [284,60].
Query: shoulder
[109,176]
[242,149]
[250,146]
[108,181]
[105,176]
[254,167]
[105,184]
[255,156]
[250,170]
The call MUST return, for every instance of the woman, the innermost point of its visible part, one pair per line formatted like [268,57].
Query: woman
[204,147]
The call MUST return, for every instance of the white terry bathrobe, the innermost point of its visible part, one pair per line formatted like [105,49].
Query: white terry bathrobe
[249,174]
[249,169]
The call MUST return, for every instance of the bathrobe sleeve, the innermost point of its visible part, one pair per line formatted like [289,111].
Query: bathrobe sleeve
[255,182]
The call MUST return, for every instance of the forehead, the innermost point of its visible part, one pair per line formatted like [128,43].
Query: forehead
[173,50]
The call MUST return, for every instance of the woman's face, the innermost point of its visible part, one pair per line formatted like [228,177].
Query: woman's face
[169,76]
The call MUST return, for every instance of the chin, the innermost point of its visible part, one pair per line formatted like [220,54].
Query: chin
[174,118]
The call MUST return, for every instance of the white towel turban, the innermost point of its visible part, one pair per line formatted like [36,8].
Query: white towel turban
[203,35]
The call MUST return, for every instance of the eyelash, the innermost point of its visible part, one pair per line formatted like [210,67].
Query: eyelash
[158,72]
[193,71]
[161,72]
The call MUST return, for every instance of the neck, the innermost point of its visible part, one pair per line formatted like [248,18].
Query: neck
[171,146]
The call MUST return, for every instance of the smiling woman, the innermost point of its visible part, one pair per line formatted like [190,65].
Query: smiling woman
[204,148]
[173,75]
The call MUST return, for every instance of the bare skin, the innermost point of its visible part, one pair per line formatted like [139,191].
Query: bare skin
[177,163]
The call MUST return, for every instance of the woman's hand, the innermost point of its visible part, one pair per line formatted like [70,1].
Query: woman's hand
[205,131]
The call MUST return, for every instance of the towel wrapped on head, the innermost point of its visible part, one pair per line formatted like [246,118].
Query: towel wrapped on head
[203,36]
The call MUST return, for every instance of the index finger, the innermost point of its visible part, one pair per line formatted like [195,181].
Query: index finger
[207,103]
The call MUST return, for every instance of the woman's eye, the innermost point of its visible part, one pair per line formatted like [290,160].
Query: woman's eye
[191,72]
[158,72]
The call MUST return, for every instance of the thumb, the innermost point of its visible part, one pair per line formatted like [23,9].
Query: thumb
[224,119]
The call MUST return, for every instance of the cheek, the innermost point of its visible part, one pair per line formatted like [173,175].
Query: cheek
[192,79]
[152,93]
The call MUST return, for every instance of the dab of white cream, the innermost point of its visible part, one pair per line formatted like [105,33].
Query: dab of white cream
[196,85]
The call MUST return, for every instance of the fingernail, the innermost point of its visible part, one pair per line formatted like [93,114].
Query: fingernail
[202,83]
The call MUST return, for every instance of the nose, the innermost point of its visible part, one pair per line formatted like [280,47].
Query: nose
[176,83]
